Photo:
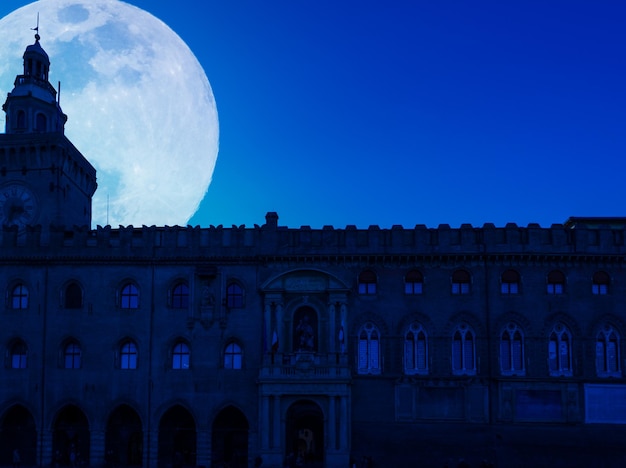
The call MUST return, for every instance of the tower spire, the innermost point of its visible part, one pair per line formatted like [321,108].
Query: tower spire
[36,29]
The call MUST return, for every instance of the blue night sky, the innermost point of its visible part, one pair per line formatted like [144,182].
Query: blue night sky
[410,112]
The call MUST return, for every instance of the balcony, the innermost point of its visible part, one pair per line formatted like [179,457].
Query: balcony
[310,366]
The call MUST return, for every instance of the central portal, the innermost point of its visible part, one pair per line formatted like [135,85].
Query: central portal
[305,434]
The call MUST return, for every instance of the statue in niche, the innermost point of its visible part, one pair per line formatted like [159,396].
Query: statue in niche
[305,334]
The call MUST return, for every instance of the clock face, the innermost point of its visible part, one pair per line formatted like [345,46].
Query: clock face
[18,205]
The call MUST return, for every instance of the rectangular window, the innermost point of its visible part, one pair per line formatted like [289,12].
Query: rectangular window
[363,354]
[516,355]
[374,364]
[421,354]
[468,354]
[505,355]
[412,288]
[367,288]
[552,359]
[555,288]
[599,289]
[409,355]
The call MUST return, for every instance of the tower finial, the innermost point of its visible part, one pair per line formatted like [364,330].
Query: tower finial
[36,29]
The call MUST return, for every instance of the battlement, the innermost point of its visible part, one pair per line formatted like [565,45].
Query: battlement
[272,240]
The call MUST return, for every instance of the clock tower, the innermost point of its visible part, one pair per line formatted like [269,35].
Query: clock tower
[44,179]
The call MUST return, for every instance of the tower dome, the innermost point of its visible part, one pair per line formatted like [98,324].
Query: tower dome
[36,61]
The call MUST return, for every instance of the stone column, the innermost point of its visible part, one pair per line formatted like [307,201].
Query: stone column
[203,447]
[152,454]
[45,448]
[264,422]
[276,423]
[96,449]
[343,315]
[332,424]
[332,320]
[344,425]
[267,327]
[282,341]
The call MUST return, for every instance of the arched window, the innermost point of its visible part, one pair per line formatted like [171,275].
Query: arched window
[19,353]
[128,355]
[560,350]
[233,356]
[607,352]
[40,122]
[415,350]
[413,282]
[72,355]
[367,282]
[180,356]
[19,296]
[463,350]
[180,296]
[512,350]
[73,296]
[601,281]
[369,350]
[21,120]
[129,297]
[510,282]
[234,296]
[556,282]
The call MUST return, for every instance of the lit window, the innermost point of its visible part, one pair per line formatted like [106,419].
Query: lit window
[19,297]
[128,355]
[180,296]
[512,350]
[129,298]
[413,282]
[510,282]
[415,350]
[556,282]
[367,282]
[600,285]
[560,350]
[461,280]
[233,356]
[607,352]
[463,351]
[369,350]
[180,356]
[72,356]
[234,296]
[18,355]
[73,296]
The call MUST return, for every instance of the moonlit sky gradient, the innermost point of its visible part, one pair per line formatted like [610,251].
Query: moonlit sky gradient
[423,112]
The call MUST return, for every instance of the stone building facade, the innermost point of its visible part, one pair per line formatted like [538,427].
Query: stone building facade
[189,346]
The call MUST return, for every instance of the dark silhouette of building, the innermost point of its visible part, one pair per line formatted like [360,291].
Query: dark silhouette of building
[188,346]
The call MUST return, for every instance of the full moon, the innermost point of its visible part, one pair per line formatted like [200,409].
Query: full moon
[140,107]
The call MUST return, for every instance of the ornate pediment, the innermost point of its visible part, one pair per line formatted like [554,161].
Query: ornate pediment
[304,281]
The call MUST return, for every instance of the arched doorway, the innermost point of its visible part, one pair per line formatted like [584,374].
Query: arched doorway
[304,432]
[177,438]
[71,438]
[230,438]
[305,333]
[18,432]
[124,438]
